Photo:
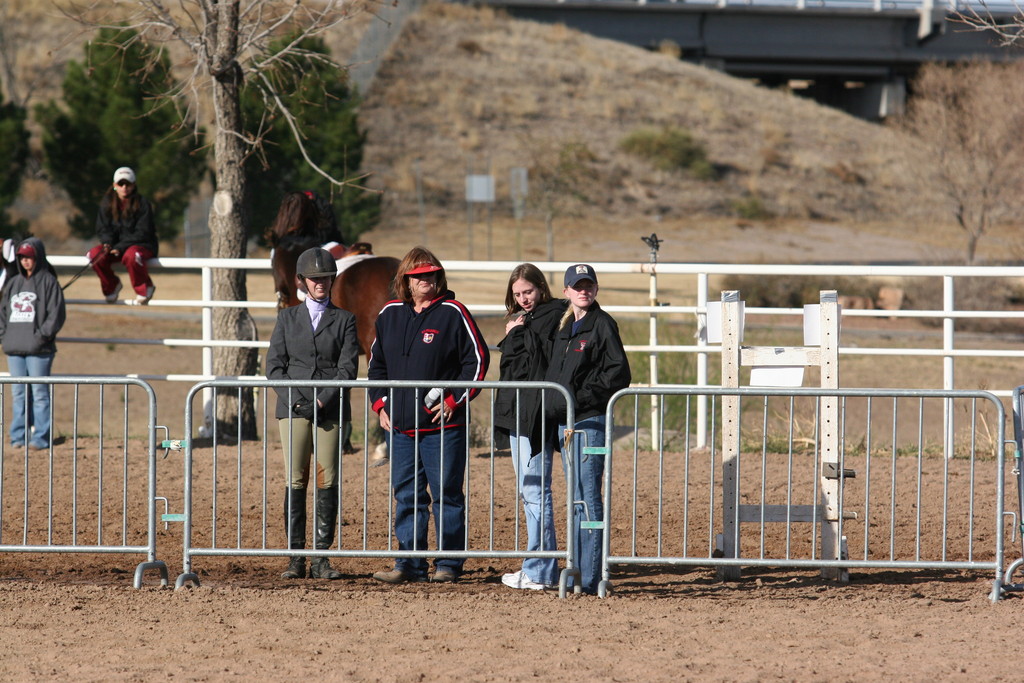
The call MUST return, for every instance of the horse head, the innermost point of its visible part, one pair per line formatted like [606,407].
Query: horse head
[282,265]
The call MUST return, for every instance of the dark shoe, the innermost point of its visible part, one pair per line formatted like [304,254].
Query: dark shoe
[320,568]
[396,576]
[296,569]
[444,575]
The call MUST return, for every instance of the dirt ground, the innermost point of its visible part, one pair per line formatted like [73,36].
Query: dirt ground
[77,616]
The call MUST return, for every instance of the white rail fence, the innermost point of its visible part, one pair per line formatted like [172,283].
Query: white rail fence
[698,275]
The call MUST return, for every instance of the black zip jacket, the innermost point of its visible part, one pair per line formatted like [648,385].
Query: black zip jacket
[524,358]
[442,342]
[128,231]
[591,364]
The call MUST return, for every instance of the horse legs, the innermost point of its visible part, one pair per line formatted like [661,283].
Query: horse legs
[380,453]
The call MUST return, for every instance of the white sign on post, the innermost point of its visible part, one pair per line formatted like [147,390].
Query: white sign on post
[712,332]
[480,189]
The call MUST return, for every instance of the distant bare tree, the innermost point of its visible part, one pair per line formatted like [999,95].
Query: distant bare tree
[229,42]
[967,120]
[559,173]
[1008,28]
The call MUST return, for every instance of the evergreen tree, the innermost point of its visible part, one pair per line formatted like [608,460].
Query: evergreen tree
[114,115]
[325,111]
[13,157]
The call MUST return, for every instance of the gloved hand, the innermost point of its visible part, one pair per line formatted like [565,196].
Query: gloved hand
[303,409]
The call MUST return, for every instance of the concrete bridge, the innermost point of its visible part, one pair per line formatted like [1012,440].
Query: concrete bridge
[854,55]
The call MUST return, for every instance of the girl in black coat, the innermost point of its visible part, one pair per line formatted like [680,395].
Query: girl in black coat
[532,319]
[124,226]
[587,358]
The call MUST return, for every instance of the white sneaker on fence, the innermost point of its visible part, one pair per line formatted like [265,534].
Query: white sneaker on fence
[520,580]
[143,300]
[112,297]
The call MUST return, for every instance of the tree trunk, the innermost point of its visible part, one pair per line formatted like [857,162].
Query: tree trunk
[235,414]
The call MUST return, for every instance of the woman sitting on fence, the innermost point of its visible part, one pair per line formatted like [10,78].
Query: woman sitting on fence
[125,229]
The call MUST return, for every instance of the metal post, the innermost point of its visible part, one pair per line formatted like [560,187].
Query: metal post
[702,361]
[207,284]
[654,244]
[420,202]
[948,341]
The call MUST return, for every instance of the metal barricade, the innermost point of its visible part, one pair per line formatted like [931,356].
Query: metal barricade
[90,491]
[1018,475]
[891,499]
[233,488]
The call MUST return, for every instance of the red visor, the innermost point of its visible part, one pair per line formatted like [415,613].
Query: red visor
[421,268]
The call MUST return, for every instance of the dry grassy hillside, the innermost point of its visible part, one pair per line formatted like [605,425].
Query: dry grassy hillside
[469,88]
[467,85]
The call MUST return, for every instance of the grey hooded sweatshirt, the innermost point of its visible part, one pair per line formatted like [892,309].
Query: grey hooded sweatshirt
[32,308]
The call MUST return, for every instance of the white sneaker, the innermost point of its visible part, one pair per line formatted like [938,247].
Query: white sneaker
[521,580]
[143,300]
[112,297]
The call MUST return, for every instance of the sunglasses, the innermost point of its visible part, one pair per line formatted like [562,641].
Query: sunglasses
[123,183]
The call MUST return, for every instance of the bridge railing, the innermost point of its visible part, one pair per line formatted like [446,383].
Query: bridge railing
[997,7]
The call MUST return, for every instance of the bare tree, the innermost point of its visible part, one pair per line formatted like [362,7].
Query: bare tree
[967,121]
[1006,27]
[228,43]
[559,171]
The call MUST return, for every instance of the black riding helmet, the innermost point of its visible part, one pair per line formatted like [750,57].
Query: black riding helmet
[315,262]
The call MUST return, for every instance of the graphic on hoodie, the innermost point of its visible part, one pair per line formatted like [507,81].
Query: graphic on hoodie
[23,307]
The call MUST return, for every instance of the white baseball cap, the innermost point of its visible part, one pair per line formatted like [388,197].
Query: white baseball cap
[124,173]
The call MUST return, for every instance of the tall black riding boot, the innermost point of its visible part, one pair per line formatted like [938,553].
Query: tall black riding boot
[326,519]
[295,519]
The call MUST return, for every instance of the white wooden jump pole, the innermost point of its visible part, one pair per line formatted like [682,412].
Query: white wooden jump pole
[826,357]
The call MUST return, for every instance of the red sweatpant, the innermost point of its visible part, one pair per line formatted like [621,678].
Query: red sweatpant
[134,259]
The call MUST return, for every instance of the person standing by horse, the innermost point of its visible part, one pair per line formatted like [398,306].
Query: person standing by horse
[588,359]
[31,314]
[315,341]
[427,336]
[532,317]
[125,230]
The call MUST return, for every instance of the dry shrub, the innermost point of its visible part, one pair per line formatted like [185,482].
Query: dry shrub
[971,294]
[790,291]
[846,174]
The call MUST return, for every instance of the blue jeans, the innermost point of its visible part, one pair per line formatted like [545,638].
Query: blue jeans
[37,427]
[410,476]
[588,503]
[533,474]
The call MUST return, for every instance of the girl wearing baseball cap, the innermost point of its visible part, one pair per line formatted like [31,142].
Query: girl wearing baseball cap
[31,314]
[125,229]
[588,359]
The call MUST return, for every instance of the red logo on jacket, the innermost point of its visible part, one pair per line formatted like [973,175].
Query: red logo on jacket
[583,344]
[428,336]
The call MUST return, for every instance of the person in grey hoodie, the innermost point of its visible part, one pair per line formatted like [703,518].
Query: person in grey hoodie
[31,314]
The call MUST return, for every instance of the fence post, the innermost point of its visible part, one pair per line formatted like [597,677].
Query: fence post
[207,285]
[732,338]
[948,341]
[702,360]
